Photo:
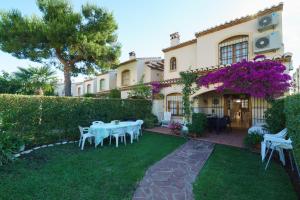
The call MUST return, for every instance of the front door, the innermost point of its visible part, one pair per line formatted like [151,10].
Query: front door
[237,107]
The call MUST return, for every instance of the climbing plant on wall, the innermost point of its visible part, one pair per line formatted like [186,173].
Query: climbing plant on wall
[187,79]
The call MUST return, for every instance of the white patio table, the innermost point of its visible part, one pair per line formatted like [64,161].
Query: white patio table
[102,131]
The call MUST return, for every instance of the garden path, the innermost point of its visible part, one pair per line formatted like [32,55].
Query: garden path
[172,177]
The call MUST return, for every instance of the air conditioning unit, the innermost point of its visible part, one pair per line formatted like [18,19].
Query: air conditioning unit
[270,42]
[267,22]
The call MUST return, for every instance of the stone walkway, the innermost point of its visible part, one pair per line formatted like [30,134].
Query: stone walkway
[172,177]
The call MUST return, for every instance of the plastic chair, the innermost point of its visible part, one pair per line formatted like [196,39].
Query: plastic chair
[266,143]
[140,124]
[279,145]
[97,122]
[133,131]
[118,133]
[166,120]
[84,134]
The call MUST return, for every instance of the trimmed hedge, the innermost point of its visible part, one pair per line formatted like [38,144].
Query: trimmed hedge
[42,119]
[275,116]
[292,112]
[199,123]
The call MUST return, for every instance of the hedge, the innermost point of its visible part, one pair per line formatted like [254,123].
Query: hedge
[40,119]
[292,112]
[275,116]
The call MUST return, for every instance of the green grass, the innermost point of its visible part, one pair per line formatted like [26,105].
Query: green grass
[235,174]
[65,172]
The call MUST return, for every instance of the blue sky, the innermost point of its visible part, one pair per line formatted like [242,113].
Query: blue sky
[145,25]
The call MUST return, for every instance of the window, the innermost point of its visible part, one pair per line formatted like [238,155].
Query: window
[173,64]
[233,50]
[102,84]
[174,104]
[79,91]
[88,88]
[126,78]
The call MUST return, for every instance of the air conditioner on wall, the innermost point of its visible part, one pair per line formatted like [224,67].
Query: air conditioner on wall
[269,42]
[267,22]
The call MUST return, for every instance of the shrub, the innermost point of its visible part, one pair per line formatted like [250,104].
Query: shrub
[253,139]
[9,144]
[275,116]
[199,123]
[40,119]
[114,94]
[292,113]
[175,127]
[150,121]
[89,95]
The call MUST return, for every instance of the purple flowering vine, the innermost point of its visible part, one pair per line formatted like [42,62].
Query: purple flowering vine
[157,86]
[262,79]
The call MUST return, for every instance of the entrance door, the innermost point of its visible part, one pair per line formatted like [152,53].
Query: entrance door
[237,107]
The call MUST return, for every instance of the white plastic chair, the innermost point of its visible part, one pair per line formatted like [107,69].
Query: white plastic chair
[97,122]
[166,120]
[84,134]
[279,145]
[140,124]
[118,133]
[265,144]
[133,131]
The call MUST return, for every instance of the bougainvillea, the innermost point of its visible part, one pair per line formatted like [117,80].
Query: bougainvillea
[262,79]
[157,86]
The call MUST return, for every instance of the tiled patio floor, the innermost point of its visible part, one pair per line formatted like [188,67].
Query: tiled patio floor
[232,138]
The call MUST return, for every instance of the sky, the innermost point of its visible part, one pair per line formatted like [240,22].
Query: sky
[144,26]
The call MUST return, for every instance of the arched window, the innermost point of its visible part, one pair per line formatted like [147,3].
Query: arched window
[174,104]
[126,78]
[79,91]
[88,89]
[173,64]
[102,84]
[233,50]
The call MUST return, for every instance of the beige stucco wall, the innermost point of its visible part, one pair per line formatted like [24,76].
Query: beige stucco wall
[185,58]
[152,75]
[110,81]
[133,73]
[207,45]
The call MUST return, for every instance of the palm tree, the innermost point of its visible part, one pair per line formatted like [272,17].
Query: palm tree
[37,80]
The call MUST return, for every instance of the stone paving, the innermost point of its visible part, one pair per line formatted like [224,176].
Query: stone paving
[172,177]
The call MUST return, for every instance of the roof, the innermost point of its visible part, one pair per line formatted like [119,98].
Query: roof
[156,64]
[237,21]
[137,59]
[183,44]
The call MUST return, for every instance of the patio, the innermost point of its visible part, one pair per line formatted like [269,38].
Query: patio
[232,138]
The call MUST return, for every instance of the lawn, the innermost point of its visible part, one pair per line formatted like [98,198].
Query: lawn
[65,172]
[235,174]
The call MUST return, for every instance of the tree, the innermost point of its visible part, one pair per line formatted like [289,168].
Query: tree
[263,79]
[9,84]
[38,80]
[76,42]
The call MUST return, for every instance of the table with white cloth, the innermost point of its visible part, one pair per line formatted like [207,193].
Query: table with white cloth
[102,131]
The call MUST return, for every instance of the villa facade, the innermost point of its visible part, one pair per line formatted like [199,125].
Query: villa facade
[296,80]
[209,50]
[214,48]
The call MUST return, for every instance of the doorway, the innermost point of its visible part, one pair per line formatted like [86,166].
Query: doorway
[237,107]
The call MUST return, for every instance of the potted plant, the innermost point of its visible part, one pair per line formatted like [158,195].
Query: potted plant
[253,140]
[175,128]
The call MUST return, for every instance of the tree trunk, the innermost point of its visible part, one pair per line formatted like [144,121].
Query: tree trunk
[67,76]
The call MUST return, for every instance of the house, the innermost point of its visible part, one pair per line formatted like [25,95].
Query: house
[296,80]
[135,70]
[216,47]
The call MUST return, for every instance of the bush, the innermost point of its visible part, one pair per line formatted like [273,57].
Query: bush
[40,119]
[253,139]
[292,113]
[199,123]
[275,116]
[150,121]
[9,145]
[114,94]
[89,95]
